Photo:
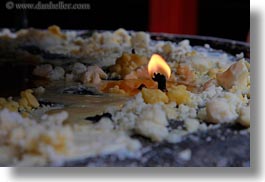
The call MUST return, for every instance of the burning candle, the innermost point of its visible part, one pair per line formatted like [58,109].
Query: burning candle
[159,71]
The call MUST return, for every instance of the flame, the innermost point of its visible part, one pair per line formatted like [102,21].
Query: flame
[158,65]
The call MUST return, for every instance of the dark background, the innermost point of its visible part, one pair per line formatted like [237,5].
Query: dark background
[227,19]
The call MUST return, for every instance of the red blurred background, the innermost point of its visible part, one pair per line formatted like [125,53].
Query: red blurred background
[173,16]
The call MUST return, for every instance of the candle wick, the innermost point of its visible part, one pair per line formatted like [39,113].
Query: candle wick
[161,80]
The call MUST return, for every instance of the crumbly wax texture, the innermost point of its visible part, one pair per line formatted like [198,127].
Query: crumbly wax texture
[206,88]
[27,142]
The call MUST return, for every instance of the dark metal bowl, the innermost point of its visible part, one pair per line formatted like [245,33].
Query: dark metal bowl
[227,147]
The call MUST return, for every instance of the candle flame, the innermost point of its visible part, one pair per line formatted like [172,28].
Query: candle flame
[158,65]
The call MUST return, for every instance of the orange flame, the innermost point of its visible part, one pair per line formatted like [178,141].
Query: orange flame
[158,65]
